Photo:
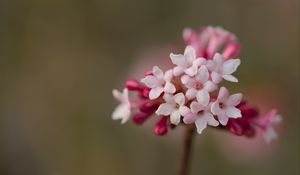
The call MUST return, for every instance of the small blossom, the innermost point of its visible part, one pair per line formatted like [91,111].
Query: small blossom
[174,106]
[123,110]
[187,63]
[225,106]
[159,83]
[222,69]
[201,116]
[199,86]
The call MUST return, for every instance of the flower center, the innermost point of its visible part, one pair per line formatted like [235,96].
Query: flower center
[199,86]
[222,105]
[200,112]
[177,106]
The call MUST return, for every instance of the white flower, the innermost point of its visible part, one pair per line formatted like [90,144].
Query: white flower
[201,116]
[199,86]
[174,106]
[225,106]
[159,83]
[187,63]
[123,110]
[221,69]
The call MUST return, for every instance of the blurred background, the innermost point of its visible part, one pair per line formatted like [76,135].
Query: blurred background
[60,60]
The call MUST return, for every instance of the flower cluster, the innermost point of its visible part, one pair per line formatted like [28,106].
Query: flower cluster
[190,92]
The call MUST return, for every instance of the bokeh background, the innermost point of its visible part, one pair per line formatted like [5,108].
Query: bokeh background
[60,60]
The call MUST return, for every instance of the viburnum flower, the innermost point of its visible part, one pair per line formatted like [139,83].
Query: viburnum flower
[188,94]
[225,106]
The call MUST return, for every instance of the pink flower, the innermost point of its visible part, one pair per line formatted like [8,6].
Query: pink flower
[222,69]
[225,106]
[123,110]
[186,63]
[199,86]
[159,83]
[174,106]
[201,116]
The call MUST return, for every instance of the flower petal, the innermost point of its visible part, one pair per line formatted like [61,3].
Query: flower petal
[203,97]
[191,71]
[191,93]
[157,72]
[155,92]
[201,124]
[215,108]
[196,107]
[190,54]
[175,117]
[179,99]
[168,75]
[117,95]
[169,98]
[210,86]
[218,59]
[234,99]
[233,112]
[178,59]
[150,81]
[202,75]
[223,119]
[164,109]
[177,71]
[223,94]
[210,119]
[169,88]
[188,81]
[216,77]
[230,78]
[122,112]
[230,66]
[190,118]
[184,110]
[269,134]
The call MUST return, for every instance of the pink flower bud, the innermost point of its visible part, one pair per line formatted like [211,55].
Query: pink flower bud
[232,50]
[161,126]
[148,107]
[140,118]
[133,85]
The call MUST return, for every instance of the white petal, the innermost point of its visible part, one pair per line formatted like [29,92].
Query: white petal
[122,112]
[230,78]
[117,95]
[155,92]
[200,61]
[210,65]
[175,117]
[179,99]
[190,118]
[178,60]
[200,125]
[150,81]
[191,71]
[216,77]
[190,54]
[215,108]
[157,72]
[210,119]
[223,94]
[177,71]
[202,75]
[234,99]
[191,93]
[164,109]
[184,110]
[203,97]
[210,86]
[233,112]
[218,59]
[188,81]
[223,119]
[230,66]
[169,98]
[196,107]
[168,75]
[270,135]
[169,88]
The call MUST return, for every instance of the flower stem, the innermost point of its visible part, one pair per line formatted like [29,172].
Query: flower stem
[187,148]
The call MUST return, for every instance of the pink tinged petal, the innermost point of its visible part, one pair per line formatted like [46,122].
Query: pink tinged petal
[191,93]
[210,119]
[203,97]
[190,54]
[223,119]
[233,112]
[122,112]
[234,99]
[150,81]
[210,65]
[230,78]
[177,71]
[187,34]
[169,99]
[232,50]
[117,95]
[188,81]
[270,135]
[155,92]
[210,86]
[216,77]
[202,75]
[189,118]
[169,88]
[200,61]
[201,124]
[184,110]
[230,66]
[157,72]
[215,108]
[223,94]
[196,107]
[175,117]
[168,75]
[178,60]
[179,99]
[218,59]
[164,109]
[191,71]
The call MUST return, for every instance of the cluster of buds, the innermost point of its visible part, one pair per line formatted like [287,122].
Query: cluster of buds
[190,92]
